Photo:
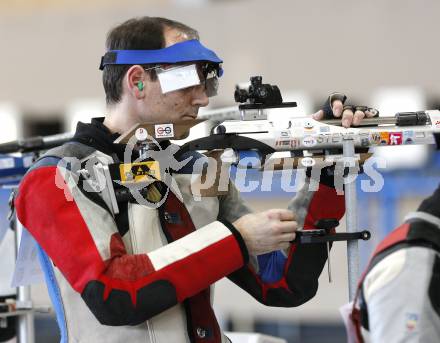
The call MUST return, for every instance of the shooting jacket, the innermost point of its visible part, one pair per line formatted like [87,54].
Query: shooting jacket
[145,274]
[398,298]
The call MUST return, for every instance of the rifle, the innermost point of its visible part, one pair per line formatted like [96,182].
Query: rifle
[245,130]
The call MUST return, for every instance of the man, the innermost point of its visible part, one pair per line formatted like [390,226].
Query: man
[398,299]
[144,274]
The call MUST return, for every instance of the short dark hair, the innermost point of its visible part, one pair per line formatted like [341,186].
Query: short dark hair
[145,33]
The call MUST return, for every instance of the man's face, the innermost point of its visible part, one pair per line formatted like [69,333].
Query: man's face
[176,105]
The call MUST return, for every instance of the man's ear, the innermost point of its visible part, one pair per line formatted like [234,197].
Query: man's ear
[135,81]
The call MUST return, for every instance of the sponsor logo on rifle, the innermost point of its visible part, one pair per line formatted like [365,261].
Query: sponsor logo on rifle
[395,138]
[294,142]
[337,137]
[408,136]
[384,138]
[408,133]
[290,143]
[308,162]
[308,124]
[375,138]
[309,141]
[323,138]
[283,143]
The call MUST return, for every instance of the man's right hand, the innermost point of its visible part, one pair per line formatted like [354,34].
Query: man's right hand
[267,231]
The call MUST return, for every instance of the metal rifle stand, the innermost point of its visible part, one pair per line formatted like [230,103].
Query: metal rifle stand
[25,318]
[351,221]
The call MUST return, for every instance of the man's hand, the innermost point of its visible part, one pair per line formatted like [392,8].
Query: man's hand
[267,231]
[351,115]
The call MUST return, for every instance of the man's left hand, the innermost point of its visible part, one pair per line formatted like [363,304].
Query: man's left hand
[351,115]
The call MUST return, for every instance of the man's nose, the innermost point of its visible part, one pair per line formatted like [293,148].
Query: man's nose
[199,96]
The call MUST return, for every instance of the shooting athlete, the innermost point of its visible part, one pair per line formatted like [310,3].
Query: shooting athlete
[143,274]
[398,298]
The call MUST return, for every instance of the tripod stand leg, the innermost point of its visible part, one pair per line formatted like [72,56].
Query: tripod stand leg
[351,223]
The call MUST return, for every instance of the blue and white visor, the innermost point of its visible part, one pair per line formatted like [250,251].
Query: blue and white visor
[181,76]
[187,51]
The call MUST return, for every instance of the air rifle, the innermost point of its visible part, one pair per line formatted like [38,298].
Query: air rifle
[245,130]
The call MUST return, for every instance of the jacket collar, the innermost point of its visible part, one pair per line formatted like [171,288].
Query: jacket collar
[98,136]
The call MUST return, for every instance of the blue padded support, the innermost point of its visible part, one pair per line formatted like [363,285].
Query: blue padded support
[271,266]
[54,292]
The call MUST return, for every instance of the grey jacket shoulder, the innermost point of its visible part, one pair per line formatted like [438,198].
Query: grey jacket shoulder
[52,157]
[70,149]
